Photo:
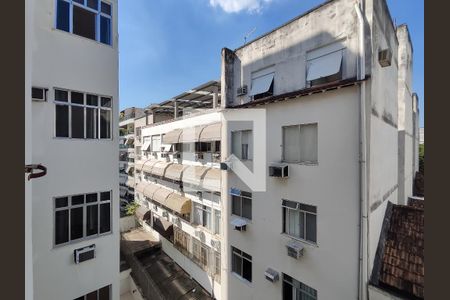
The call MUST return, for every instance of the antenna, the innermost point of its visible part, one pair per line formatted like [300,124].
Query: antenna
[248,34]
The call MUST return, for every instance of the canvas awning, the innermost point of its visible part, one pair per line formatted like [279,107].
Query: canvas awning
[129,141]
[148,165]
[194,174]
[161,195]
[140,187]
[163,227]
[160,168]
[146,146]
[174,172]
[324,66]
[178,203]
[211,180]
[143,213]
[211,133]
[192,134]
[261,84]
[123,192]
[138,165]
[130,182]
[150,190]
[172,137]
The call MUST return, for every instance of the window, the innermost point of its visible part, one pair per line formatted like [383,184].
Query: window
[241,264]
[82,116]
[200,253]
[262,83]
[85,18]
[101,294]
[81,216]
[181,240]
[295,290]
[217,218]
[242,144]
[300,143]
[324,65]
[203,147]
[242,205]
[300,220]
[202,216]
[156,143]
[217,267]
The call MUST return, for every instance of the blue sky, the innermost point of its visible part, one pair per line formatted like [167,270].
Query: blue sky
[169,46]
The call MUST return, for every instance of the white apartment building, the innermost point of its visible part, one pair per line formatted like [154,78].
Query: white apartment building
[72,71]
[313,146]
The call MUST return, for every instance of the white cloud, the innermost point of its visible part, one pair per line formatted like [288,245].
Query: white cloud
[235,6]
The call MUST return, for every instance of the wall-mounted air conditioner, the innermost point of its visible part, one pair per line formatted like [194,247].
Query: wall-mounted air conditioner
[242,90]
[279,170]
[271,275]
[39,94]
[215,244]
[294,249]
[385,57]
[165,214]
[83,254]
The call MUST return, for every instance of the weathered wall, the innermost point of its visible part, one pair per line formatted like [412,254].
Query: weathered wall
[64,60]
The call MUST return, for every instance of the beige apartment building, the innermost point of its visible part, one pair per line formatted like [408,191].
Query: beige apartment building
[273,182]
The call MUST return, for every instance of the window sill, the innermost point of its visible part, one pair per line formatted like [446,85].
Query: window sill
[88,238]
[82,139]
[308,243]
[84,38]
[300,163]
[242,279]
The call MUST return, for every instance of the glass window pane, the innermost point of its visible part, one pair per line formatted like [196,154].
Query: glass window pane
[77,98]
[293,222]
[247,270]
[61,95]
[92,219]
[78,199]
[79,1]
[105,30]
[287,291]
[106,8]
[105,217]
[91,100]
[61,226]
[217,219]
[308,143]
[236,205]
[92,296]
[308,208]
[291,144]
[105,124]
[77,122]
[76,223]
[104,293]
[91,123]
[91,198]
[62,121]
[207,218]
[236,264]
[92,4]
[311,228]
[302,224]
[61,202]
[83,22]
[247,208]
[247,142]
[62,15]
[197,214]
[236,143]
[105,102]
[104,196]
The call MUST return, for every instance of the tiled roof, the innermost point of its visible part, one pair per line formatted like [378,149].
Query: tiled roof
[399,262]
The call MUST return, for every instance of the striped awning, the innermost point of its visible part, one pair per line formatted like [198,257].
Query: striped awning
[192,134]
[143,213]
[148,165]
[174,172]
[140,187]
[150,190]
[130,182]
[159,168]
[178,203]
[172,137]
[211,133]
[161,195]
[194,174]
[211,180]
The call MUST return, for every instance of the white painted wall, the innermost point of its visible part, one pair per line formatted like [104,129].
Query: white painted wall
[60,59]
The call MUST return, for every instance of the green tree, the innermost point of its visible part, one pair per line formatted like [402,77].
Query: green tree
[131,208]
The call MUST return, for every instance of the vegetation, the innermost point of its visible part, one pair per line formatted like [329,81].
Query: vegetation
[131,208]
[422,159]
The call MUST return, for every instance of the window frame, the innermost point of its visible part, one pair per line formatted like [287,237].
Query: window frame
[97,107]
[98,15]
[299,161]
[109,286]
[299,210]
[249,144]
[242,255]
[249,196]
[69,206]
[292,282]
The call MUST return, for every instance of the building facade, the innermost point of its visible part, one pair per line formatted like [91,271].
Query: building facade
[73,82]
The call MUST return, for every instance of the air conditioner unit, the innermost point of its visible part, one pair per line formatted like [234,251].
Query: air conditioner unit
[83,254]
[271,275]
[165,214]
[279,170]
[39,94]
[242,90]
[385,57]
[215,244]
[294,249]
[198,156]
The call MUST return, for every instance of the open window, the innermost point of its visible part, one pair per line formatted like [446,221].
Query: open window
[262,83]
[324,65]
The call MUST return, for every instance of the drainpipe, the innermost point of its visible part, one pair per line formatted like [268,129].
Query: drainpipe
[363,242]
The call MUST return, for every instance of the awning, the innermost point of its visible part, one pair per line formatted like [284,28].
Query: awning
[161,195]
[211,133]
[150,190]
[192,134]
[324,66]
[178,203]
[143,213]
[172,137]
[140,187]
[211,181]
[127,170]
[148,165]
[146,146]
[194,174]
[174,172]
[130,182]
[138,165]
[130,141]
[160,168]
[163,227]
[261,84]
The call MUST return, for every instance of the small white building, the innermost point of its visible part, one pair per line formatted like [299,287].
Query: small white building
[72,69]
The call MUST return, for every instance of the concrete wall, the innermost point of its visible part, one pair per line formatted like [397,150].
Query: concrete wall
[127,223]
[378,294]
[64,60]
